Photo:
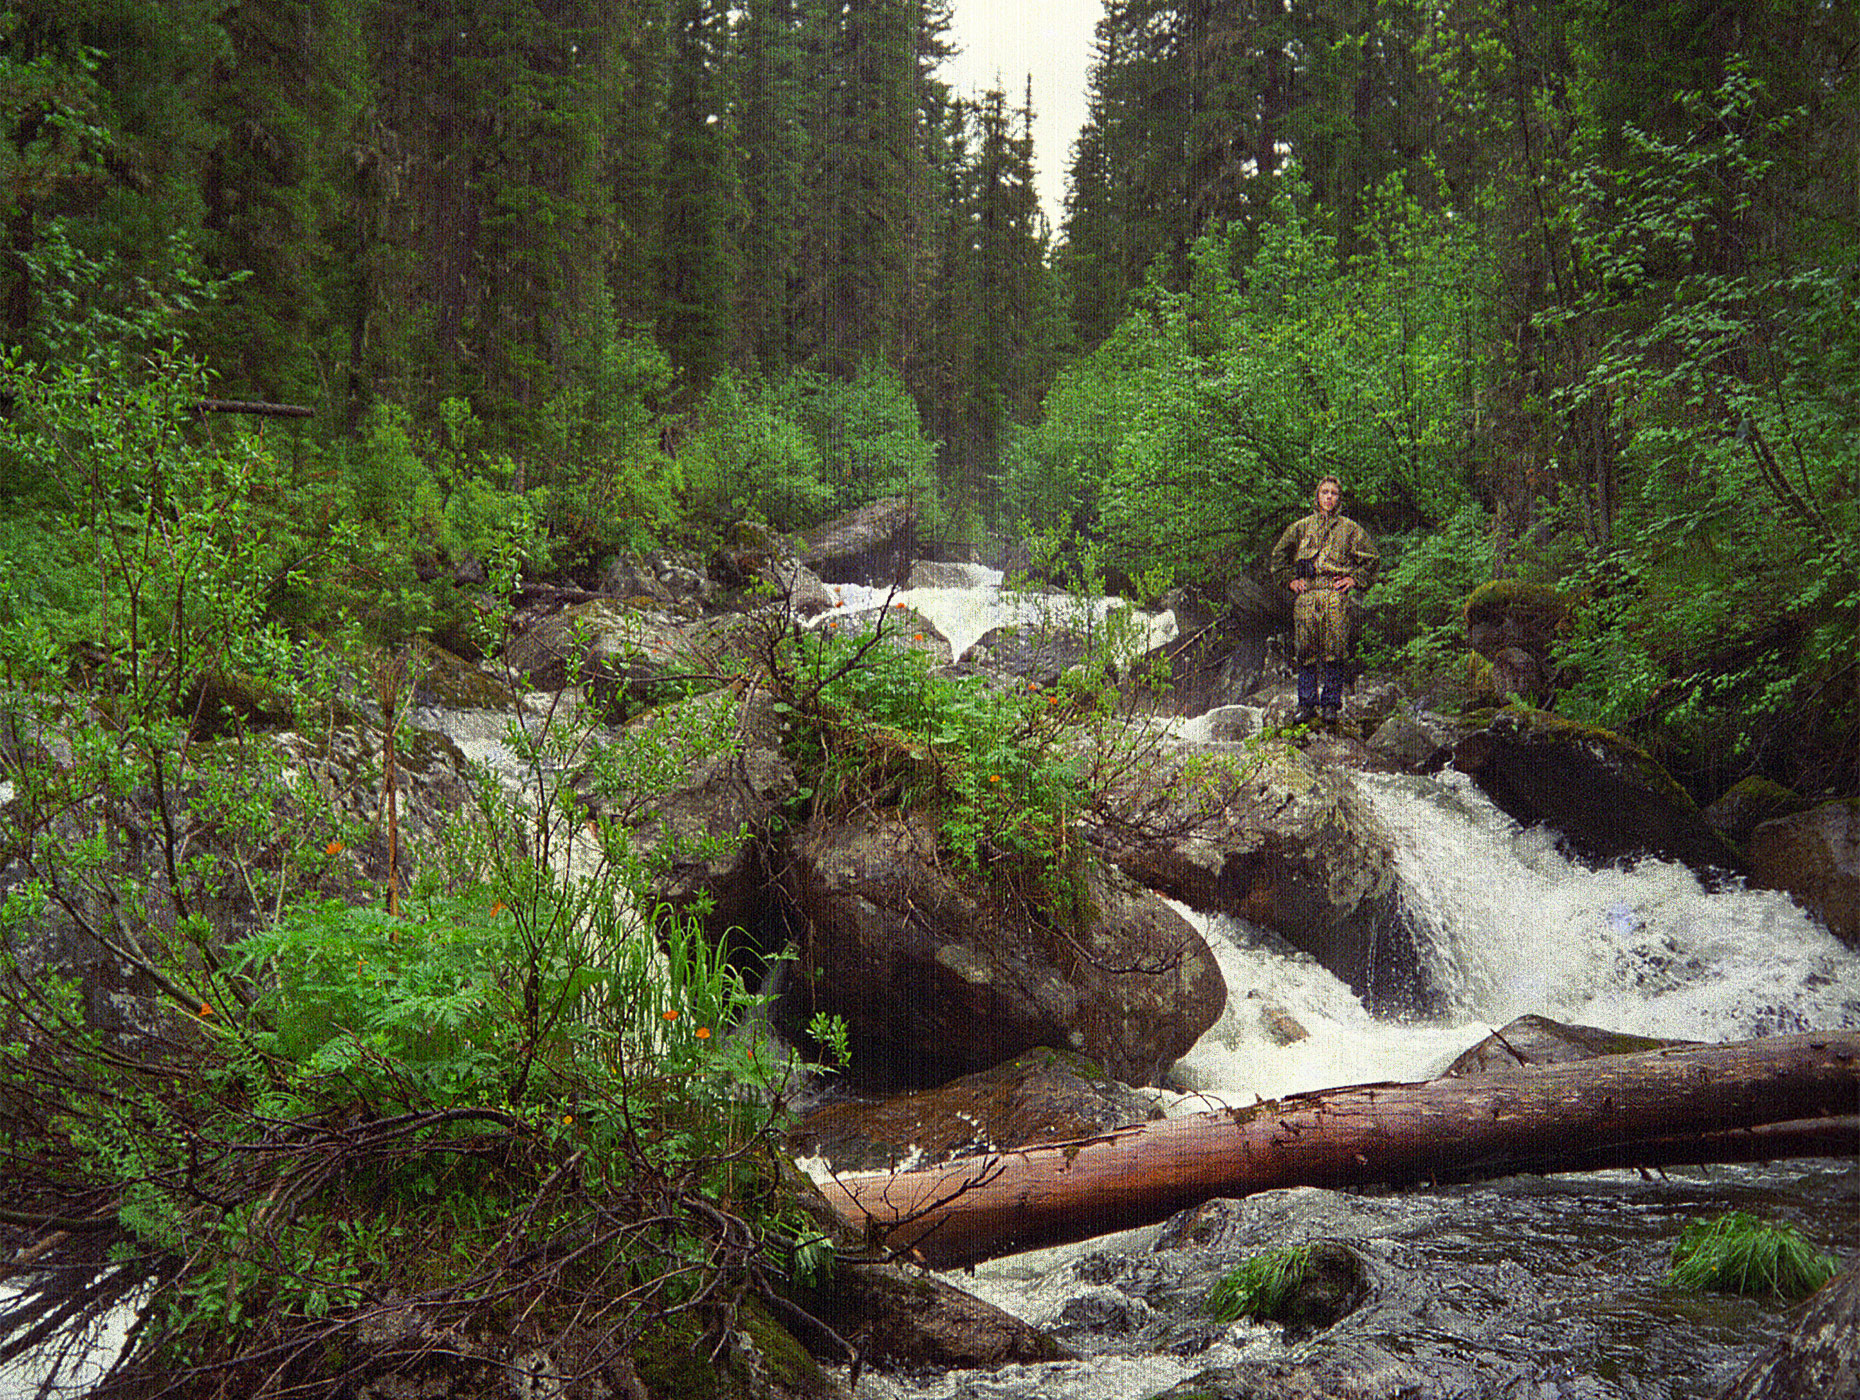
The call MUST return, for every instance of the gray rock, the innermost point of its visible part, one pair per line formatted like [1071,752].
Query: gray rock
[939,975]
[1283,841]
[1815,857]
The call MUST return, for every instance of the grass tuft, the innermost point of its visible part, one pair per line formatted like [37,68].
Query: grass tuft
[1262,1286]
[1737,1253]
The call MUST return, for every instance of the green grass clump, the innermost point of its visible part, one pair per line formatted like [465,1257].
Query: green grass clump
[1737,1253]
[1262,1286]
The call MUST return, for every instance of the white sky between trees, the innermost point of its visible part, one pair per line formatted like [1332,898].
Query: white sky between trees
[1002,41]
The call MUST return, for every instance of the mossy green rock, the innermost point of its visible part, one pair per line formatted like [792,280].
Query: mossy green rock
[1607,797]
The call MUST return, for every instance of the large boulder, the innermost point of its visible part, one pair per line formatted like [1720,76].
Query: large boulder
[725,779]
[618,653]
[1218,658]
[1815,856]
[1607,798]
[938,974]
[1277,838]
[1044,1095]
[873,544]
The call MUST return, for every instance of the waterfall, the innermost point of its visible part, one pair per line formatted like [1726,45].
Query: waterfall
[1512,927]
[963,616]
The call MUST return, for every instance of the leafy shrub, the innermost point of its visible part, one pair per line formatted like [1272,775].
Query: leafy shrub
[1738,1253]
[748,459]
[1425,580]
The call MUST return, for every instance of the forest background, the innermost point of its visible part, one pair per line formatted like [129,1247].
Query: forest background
[1563,290]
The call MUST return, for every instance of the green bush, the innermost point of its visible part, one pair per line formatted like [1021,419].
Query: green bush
[749,460]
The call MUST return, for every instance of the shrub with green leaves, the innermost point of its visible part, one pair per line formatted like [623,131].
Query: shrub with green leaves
[518,1095]
[1738,1253]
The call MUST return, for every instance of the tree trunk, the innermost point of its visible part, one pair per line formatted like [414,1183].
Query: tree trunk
[1682,1104]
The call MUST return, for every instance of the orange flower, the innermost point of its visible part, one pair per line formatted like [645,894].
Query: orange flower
[334,848]
[897,605]
[917,636]
[567,1118]
[497,908]
[702,1032]
[994,777]
[205,1009]
[671,1015]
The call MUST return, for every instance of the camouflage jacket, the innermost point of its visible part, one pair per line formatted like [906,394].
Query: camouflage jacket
[1336,545]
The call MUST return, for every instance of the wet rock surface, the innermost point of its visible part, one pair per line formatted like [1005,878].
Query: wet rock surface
[937,976]
[1815,856]
[1529,1289]
[1609,800]
[1042,1096]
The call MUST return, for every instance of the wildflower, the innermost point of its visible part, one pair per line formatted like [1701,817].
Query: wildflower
[334,848]
[897,605]
[917,636]
[671,1015]
[497,908]
[568,1119]
[205,1009]
[994,777]
[702,1032]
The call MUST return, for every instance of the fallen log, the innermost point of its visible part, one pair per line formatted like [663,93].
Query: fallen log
[1704,1103]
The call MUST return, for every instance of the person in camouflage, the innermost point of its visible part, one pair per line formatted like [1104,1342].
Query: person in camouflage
[1323,558]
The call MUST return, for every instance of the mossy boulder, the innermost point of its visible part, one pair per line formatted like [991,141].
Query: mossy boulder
[939,973]
[1513,628]
[1749,803]
[1606,797]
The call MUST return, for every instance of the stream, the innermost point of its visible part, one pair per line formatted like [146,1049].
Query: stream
[1523,1288]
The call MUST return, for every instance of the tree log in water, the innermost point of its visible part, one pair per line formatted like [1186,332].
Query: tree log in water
[1777,1097]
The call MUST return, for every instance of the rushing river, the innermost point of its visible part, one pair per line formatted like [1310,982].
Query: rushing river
[1525,1288]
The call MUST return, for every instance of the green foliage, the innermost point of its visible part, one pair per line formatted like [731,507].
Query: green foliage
[1726,597]
[1261,1287]
[1421,590]
[412,506]
[1738,1253]
[749,460]
[525,1090]
[868,437]
[1010,771]
[1201,428]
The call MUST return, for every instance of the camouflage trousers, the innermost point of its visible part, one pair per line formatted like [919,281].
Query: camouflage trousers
[1320,625]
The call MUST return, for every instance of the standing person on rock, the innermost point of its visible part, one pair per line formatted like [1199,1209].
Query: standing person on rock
[1322,559]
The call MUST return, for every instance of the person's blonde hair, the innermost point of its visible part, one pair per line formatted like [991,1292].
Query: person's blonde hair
[1334,481]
